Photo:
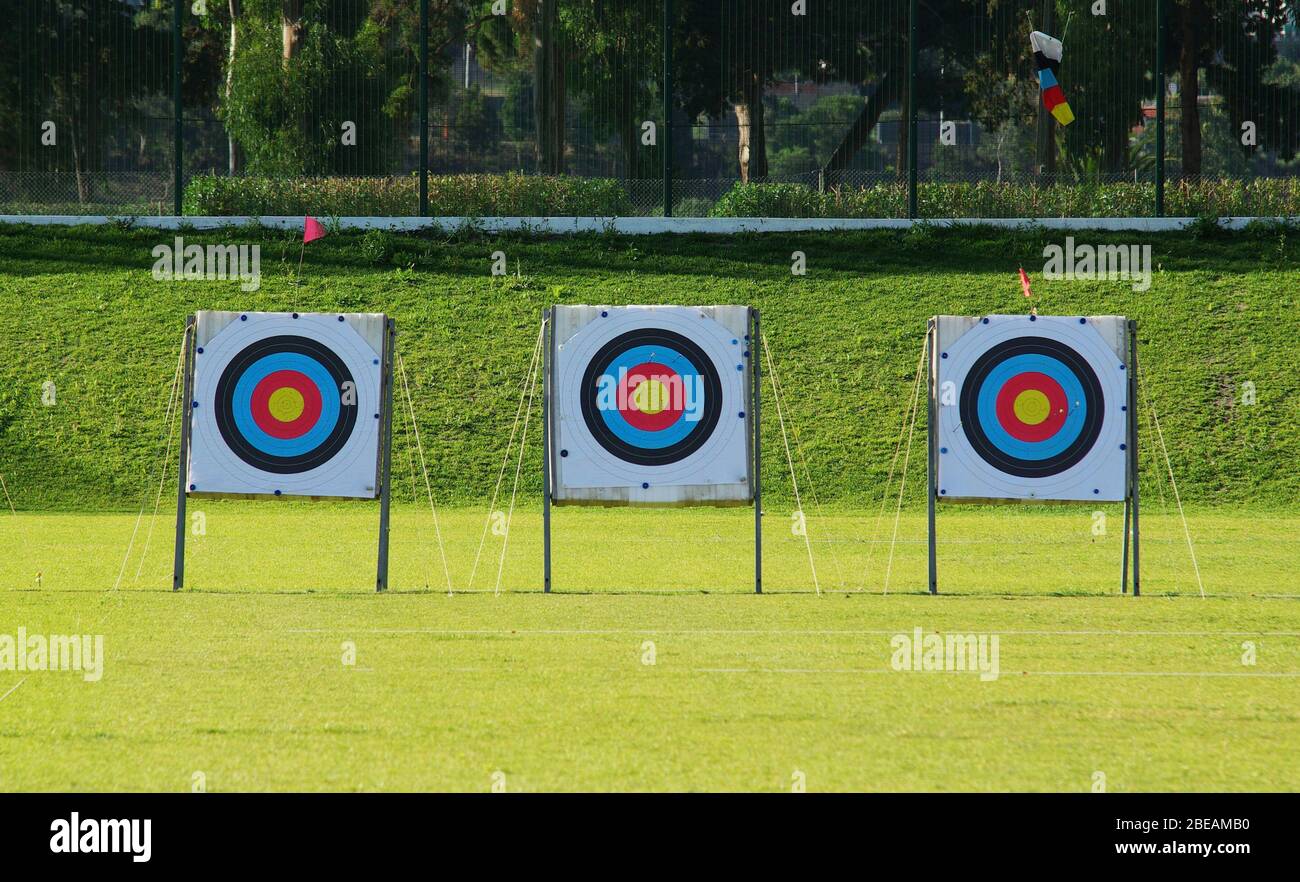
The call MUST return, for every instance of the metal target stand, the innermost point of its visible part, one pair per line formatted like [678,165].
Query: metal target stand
[385,451]
[1131,461]
[548,446]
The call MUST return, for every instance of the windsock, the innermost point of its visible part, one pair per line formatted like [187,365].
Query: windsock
[1047,56]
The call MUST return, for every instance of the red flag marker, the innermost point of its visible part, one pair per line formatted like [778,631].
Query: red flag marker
[311,230]
[1024,282]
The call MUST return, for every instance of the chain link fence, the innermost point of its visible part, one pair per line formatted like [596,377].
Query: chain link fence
[852,108]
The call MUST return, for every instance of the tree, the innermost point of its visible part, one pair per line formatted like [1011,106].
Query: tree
[297,70]
[531,38]
[78,67]
[728,54]
[613,63]
[1233,43]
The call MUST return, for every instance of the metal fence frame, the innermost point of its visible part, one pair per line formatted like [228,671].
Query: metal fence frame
[673,191]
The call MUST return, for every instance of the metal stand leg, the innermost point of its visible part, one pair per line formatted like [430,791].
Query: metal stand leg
[1133,447]
[1128,520]
[931,462]
[187,413]
[547,331]
[386,439]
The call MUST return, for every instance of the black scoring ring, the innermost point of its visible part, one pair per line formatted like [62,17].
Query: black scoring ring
[1014,465]
[662,456]
[260,459]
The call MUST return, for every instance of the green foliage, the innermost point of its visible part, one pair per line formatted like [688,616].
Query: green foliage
[802,141]
[376,246]
[474,124]
[347,66]
[449,196]
[91,67]
[1265,197]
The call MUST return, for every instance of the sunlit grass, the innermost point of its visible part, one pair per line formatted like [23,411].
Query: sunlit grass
[241,676]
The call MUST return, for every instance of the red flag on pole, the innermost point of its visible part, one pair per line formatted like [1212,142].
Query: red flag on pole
[1024,282]
[311,230]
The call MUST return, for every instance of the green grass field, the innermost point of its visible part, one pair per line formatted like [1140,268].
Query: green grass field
[242,676]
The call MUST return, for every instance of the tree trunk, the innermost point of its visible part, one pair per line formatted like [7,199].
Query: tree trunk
[290,28]
[1189,89]
[751,151]
[742,147]
[549,92]
[232,148]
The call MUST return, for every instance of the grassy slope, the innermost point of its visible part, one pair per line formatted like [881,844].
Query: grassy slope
[81,310]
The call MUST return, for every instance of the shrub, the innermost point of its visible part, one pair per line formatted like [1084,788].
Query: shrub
[516,195]
[510,195]
[1268,197]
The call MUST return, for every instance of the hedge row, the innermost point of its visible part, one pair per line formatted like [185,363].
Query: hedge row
[510,195]
[1265,197]
[517,195]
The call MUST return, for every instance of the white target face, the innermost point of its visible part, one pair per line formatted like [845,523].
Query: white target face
[1031,407]
[650,405]
[286,404]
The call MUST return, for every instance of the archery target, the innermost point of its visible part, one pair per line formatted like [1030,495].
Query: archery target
[286,404]
[650,405]
[1032,407]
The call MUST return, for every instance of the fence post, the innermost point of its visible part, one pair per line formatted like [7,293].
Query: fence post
[1162,89]
[1046,122]
[667,133]
[913,50]
[424,107]
[178,133]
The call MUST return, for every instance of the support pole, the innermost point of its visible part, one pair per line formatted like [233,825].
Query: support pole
[756,401]
[548,329]
[424,108]
[668,108]
[1128,522]
[182,472]
[178,133]
[1133,446]
[386,451]
[913,54]
[1046,133]
[1162,27]
[931,460]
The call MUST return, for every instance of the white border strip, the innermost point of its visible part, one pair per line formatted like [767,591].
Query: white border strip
[635,226]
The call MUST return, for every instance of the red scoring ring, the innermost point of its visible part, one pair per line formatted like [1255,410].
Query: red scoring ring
[1022,431]
[261,404]
[651,422]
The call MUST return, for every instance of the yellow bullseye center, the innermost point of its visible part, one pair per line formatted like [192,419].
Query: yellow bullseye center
[1032,407]
[285,404]
[650,396]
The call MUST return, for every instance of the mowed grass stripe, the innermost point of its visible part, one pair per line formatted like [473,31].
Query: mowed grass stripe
[229,685]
